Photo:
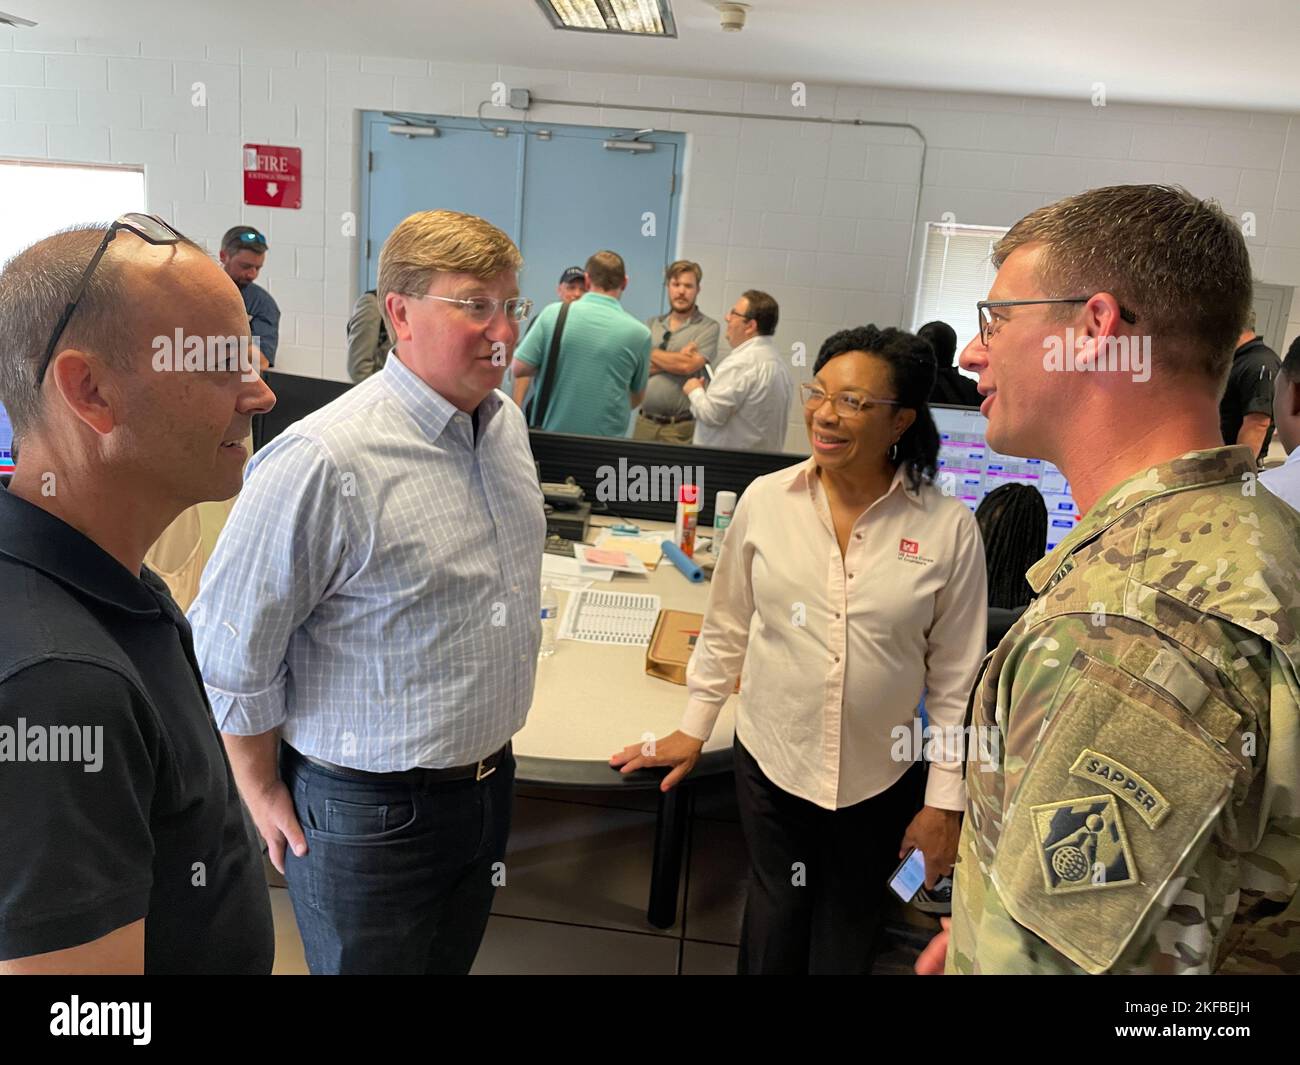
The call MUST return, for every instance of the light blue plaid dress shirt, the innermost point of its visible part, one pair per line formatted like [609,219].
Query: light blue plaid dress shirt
[376,592]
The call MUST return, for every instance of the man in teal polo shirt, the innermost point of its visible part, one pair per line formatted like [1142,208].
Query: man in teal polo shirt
[604,358]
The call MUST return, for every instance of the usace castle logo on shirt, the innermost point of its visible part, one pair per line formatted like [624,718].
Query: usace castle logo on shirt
[910,551]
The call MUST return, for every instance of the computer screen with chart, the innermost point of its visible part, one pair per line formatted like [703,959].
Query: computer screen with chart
[970,469]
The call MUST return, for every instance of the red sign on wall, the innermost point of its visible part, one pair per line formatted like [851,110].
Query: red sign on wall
[272,176]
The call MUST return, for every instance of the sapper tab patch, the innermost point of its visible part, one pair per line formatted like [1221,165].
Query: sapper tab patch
[1131,788]
[1082,846]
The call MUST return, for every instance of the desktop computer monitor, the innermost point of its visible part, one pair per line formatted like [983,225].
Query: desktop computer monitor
[6,444]
[973,469]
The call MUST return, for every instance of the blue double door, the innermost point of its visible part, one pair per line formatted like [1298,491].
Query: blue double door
[556,190]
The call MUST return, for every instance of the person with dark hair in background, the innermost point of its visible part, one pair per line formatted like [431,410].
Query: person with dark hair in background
[1246,407]
[1013,524]
[747,405]
[1284,482]
[951,386]
[849,585]
[242,255]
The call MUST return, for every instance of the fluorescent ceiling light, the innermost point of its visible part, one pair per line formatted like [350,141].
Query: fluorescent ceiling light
[653,18]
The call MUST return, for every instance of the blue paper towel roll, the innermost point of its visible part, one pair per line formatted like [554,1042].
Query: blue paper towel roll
[690,570]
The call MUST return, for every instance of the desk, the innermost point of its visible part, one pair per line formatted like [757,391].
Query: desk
[592,700]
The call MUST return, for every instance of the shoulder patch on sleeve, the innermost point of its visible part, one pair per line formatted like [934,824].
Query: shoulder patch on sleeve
[1120,789]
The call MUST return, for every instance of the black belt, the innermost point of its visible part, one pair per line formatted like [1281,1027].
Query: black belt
[480,770]
[667,419]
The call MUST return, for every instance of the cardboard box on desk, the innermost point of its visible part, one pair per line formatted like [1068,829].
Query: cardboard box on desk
[671,645]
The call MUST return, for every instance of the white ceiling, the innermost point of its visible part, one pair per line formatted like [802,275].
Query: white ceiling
[1214,53]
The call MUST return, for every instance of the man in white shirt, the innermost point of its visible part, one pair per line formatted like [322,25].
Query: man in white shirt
[1284,482]
[747,405]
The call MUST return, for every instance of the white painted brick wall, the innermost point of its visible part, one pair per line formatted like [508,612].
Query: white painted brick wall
[820,215]
[55,106]
[76,71]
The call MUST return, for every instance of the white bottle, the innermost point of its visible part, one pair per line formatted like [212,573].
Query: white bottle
[550,621]
[724,506]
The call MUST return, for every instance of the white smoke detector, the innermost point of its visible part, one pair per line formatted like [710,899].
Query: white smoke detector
[732,17]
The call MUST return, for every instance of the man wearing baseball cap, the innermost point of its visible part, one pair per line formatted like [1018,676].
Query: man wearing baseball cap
[573,283]
[243,253]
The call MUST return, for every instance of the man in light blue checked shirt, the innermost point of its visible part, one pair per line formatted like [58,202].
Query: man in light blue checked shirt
[374,603]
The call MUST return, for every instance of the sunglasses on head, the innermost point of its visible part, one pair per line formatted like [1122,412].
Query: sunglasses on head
[145,226]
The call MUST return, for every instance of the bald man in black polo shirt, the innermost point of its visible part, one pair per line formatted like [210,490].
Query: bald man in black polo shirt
[124,846]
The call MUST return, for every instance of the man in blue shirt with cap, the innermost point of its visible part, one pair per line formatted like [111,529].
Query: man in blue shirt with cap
[243,253]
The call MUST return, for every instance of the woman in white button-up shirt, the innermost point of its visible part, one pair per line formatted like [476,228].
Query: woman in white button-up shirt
[849,586]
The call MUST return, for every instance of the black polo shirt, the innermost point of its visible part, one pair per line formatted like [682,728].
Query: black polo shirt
[117,801]
[1250,389]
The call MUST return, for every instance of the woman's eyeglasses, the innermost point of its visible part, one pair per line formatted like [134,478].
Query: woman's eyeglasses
[847,404]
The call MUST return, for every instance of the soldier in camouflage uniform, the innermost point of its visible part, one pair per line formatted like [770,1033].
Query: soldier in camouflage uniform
[1138,808]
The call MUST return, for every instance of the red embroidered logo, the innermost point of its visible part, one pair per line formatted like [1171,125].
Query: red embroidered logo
[909,547]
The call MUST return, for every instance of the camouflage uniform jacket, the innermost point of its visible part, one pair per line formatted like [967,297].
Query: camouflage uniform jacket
[1138,808]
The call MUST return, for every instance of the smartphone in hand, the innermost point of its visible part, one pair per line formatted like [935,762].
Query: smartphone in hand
[909,877]
[908,883]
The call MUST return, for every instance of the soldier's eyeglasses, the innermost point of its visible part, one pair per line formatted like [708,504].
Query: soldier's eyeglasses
[990,322]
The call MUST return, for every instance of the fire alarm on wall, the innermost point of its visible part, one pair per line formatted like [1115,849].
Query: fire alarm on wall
[732,17]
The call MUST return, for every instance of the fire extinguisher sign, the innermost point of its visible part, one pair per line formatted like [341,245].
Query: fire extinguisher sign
[272,176]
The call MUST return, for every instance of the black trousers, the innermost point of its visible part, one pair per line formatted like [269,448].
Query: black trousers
[817,878]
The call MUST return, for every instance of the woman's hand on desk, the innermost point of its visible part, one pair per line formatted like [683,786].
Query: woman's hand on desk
[676,749]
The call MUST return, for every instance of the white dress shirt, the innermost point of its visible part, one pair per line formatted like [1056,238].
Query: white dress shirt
[1284,481]
[834,652]
[747,404]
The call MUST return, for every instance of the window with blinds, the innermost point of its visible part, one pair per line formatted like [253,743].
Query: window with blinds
[956,272]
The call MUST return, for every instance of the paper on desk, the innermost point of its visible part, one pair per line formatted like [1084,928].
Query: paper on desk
[609,617]
[646,547]
[608,556]
[560,566]
[566,584]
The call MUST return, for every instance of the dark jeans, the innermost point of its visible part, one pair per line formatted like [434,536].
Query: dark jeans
[398,876]
[828,919]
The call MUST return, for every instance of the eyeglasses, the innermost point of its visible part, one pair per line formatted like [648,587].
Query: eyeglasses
[484,308]
[250,236]
[147,227]
[737,314]
[988,329]
[847,404]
